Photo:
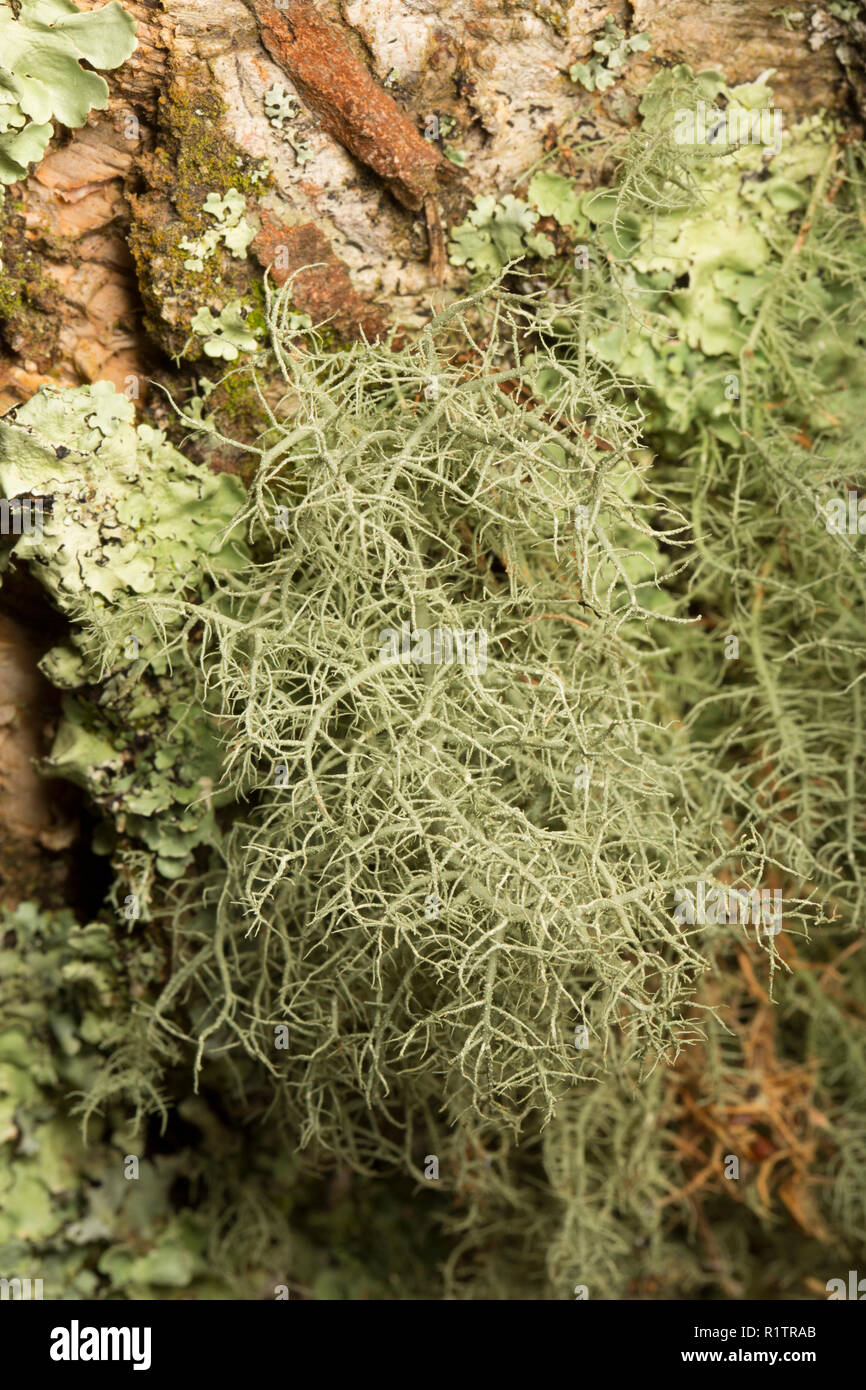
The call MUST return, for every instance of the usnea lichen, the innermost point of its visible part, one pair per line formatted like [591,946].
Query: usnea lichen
[494,846]
[449,883]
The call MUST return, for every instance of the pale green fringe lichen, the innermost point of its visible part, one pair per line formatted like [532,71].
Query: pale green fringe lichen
[436,901]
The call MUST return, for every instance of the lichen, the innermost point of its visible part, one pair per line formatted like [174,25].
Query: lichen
[226,335]
[611,51]
[44,43]
[495,234]
[194,161]
[230,227]
[119,1212]
[453,883]
[123,514]
[282,110]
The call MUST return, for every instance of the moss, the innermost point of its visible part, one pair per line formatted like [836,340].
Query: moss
[65,249]
[257,317]
[11,297]
[171,293]
[196,156]
[29,300]
[236,400]
[193,157]
[553,14]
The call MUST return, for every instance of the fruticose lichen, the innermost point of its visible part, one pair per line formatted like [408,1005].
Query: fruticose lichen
[415,905]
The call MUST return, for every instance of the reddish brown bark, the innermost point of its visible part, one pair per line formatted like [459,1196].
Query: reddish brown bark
[353,108]
[320,282]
